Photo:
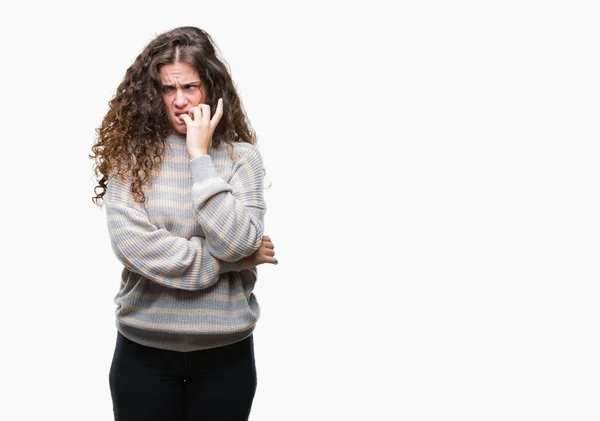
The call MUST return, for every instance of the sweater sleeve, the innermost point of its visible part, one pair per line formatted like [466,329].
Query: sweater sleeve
[231,214]
[153,252]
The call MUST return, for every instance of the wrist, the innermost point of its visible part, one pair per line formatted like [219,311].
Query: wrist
[196,153]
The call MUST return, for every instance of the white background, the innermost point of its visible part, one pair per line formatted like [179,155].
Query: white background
[434,204]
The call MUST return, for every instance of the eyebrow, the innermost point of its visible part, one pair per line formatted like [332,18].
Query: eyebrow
[166,85]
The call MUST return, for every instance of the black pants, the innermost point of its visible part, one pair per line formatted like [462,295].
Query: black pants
[152,384]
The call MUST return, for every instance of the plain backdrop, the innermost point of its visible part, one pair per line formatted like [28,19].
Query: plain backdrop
[433,203]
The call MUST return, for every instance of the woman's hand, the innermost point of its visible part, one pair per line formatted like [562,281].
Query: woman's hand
[200,128]
[265,254]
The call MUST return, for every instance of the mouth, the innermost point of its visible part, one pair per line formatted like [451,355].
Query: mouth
[178,115]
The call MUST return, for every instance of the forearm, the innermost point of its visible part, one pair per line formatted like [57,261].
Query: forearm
[231,214]
[155,253]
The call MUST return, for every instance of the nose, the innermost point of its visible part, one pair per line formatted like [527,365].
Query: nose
[180,98]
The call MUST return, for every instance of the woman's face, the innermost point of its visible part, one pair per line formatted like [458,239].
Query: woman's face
[182,89]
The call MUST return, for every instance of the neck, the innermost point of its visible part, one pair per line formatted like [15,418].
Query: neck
[177,137]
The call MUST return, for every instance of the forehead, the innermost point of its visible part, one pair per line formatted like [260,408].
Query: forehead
[178,72]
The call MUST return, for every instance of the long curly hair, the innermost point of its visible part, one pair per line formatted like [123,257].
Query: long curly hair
[132,138]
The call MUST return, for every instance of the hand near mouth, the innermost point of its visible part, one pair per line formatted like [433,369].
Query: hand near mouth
[200,128]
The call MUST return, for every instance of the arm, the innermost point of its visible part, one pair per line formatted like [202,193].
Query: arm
[230,214]
[155,253]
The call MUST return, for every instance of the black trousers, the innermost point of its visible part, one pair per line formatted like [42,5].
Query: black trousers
[152,384]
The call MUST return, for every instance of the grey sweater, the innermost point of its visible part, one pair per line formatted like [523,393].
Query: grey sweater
[182,287]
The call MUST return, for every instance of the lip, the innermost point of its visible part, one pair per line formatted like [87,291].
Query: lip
[179,113]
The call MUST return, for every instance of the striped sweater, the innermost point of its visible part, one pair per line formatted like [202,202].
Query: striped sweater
[182,286]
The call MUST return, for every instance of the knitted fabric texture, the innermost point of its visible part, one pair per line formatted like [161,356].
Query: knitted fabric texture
[182,286]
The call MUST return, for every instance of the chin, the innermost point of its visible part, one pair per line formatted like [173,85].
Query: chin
[178,129]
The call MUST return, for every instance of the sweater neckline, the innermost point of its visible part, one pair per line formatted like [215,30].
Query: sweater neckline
[176,138]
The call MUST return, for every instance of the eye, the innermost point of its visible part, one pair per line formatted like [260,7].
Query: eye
[167,89]
[190,87]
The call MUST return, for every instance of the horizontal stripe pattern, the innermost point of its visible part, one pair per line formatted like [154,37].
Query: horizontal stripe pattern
[182,287]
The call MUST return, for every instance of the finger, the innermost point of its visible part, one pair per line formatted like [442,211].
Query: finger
[266,237]
[218,113]
[186,119]
[269,245]
[196,113]
[269,260]
[205,108]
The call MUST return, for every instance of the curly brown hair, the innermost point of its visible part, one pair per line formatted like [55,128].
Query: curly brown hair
[132,137]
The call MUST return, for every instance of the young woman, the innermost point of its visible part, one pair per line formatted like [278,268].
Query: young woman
[181,179]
